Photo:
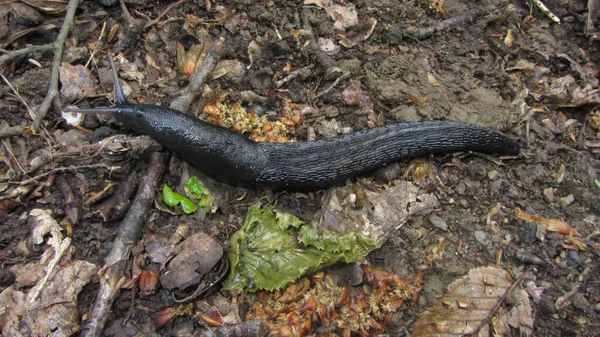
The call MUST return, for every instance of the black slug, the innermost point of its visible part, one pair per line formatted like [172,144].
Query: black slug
[224,153]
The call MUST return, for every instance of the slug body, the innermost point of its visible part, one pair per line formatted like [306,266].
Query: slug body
[225,153]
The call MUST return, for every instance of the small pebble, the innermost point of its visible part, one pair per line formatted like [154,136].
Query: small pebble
[493,174]
[438,222]
[481,237]
[549,194]
[566,201]
[464,203]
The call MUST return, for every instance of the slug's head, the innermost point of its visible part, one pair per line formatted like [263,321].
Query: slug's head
[121,111]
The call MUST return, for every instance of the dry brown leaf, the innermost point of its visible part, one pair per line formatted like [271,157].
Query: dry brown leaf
[76,82]
[553,225]
[12,308]
[48,6]
[344,15]
[58,301]
[194,258]
[468,304]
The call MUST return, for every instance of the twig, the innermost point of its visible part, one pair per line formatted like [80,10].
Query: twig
[337,81]
[169,7]
[546,11]
[52,95]
[130,19]
[95,50]
[16,93]
[427,32]
[61,169]
[71,208]
[294,74]
[114,208]
[9,131]
[128,234]
[10,55]
[197,81]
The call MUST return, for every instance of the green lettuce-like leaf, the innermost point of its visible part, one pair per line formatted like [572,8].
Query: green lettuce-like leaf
[273,248]
[172,198]
[195,189]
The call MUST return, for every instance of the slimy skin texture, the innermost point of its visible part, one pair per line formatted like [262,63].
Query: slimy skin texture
[224,153]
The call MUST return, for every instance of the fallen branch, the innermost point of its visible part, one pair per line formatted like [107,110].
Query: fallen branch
[128,234]
[52,94]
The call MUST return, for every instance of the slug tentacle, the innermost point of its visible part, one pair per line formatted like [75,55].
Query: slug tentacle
[224,153]
[119,95]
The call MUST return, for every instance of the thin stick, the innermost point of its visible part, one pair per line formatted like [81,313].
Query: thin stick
[61,169]
[128,234]
[52,95]
[16,93]
[546,11]
[169,7]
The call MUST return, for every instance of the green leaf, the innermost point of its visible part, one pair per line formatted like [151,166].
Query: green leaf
[195,189]
[172,198]
[273,248]
[597,182]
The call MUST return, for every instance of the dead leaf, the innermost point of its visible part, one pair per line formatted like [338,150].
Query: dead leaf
[76,82]
[12,308]
[194,258]
[553,225]
[48,6]
[344,16]
[466,307]
[58,309]
[376,214]
[366,28]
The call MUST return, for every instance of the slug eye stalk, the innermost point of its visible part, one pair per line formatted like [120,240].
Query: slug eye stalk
[119,95]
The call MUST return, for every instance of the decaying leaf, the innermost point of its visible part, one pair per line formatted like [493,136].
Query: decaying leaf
[468,308]
[344,16]
[12,308]
[553,225]
[375,214]
[273,248]
[194,258]
[58,300]
[76,82]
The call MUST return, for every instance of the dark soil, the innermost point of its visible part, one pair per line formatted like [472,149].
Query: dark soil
[479,80]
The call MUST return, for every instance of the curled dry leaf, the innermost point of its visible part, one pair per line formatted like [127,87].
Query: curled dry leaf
[553,225]
[466,308]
